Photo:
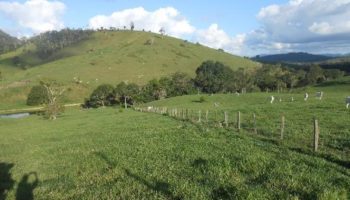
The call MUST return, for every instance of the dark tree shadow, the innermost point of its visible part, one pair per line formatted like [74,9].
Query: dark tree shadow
[200,164]
[327,157]
[26,186]
[223,193]
[157,186]
[111,164]
[6,181]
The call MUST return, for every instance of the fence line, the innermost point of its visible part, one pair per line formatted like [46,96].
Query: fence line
[196,117]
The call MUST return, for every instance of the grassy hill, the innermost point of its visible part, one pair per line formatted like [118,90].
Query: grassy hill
[107,57]
[104,154]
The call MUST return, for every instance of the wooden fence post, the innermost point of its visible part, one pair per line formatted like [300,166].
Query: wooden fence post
[206,116]
[239,120]
[254,121]
[199,116]
[226,119]
[282,126]
[316,134]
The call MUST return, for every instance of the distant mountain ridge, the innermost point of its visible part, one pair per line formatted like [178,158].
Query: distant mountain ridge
[7,42]
[294,57]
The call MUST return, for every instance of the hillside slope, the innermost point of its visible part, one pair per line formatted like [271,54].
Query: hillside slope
[109,57]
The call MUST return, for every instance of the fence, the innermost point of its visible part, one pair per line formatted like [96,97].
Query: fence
[221,119]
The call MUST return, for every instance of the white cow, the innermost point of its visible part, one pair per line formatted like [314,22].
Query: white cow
[216,104]
[292,99]
[347,101]
[272,99]
[319,95]
[306,96]
[149,108]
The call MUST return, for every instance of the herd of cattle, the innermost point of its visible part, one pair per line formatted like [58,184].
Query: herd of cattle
[319,95]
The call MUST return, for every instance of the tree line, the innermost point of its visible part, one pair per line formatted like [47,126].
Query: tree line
[52,41]
[211,77]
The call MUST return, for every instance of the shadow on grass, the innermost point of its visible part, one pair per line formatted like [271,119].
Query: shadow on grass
[157,186]
[26,186]
[227,192]
[6,181]
[327,157]
[111,164]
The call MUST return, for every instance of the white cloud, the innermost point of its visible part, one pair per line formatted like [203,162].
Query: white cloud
[36,15]
[301,25]
[217,38]
[168,18]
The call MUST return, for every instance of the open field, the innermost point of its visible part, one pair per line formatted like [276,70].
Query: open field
[108,154]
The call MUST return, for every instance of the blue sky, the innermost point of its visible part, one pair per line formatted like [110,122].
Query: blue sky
[234,16]
[243,27]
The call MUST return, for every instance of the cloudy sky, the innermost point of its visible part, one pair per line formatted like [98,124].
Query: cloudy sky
[243,27]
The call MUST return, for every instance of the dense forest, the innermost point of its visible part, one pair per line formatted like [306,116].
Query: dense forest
[8,43]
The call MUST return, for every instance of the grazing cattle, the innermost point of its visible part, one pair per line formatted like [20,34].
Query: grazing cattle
[292,99]
[216,104]
[319,95]
[306,96]
[272,99]
[347,101]
[280,99]
[149,108]
[237,93]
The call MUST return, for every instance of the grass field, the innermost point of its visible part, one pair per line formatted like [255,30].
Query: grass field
[108,154]
[107,57]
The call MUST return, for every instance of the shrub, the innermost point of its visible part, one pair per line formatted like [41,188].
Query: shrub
[37,96]
[202,99]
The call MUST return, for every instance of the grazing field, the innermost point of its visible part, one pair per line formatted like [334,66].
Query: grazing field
[331,113]
[109,154]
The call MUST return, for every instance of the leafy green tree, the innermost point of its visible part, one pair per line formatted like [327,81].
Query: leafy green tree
[331,74]
[271,77]
[153,90]
[37,96]
[127,93]
[241,80]
[182,84]
[315,75]
[103,96]
[211,76]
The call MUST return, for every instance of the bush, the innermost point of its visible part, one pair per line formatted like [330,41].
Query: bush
[37,96]
[202,99]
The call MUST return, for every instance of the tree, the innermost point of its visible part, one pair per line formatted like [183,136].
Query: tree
[330,74]
[37,96]
[162,31]
[132,26]
[54,105]
[127,93]
[103,96]
[212,76]
[315,75]
[180,84]
[153,90]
